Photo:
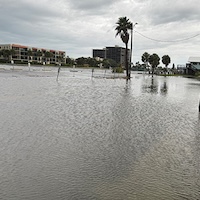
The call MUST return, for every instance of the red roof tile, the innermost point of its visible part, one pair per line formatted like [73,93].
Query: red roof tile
[19,46]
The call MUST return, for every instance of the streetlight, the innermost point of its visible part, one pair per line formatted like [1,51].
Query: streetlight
[131,47]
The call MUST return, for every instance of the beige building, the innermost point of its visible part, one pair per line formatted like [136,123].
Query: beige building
[34,55]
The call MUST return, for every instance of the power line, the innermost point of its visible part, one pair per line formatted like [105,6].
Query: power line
[157,40]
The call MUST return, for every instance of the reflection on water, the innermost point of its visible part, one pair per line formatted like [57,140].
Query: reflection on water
[163,88]
[83,138]
[151,85]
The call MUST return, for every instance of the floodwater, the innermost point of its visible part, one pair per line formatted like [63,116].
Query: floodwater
[98,139]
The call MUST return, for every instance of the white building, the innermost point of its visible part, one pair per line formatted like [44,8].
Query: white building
[193,65]
[27,54]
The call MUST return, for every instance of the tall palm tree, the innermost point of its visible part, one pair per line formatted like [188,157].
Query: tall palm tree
[166,60]
[145,58]
[122,28]
[154,61]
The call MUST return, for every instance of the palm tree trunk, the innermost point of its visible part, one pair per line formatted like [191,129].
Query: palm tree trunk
[152,71]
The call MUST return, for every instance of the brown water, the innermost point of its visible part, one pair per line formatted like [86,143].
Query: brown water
[84,138]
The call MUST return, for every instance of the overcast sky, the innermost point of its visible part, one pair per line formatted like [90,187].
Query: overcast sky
[78,26]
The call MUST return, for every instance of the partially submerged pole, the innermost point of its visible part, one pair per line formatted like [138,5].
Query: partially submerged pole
[199,106]
[58,72]
[105,73]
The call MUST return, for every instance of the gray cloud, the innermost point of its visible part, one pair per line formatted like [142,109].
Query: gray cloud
[91,4]
[79,26]
[167,11]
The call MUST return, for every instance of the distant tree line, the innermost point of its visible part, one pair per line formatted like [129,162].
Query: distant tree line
[151,62]
[91,62]
[6,54]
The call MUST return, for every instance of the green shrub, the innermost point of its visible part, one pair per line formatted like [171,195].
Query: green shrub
[3,61]
[20,62]
[118,70]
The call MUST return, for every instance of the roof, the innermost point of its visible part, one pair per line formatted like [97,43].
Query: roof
[19,46]
[34,48]
[194,59]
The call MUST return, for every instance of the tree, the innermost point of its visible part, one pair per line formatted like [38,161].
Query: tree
[154,61]
[122,28]
[29,54]
[12,52]
[145,58]
[173,68]
[69,61]
[107,63]
[39,55]
[48,55]
[81,61]
[166,60]
[92,62]
[60,59]
[6,54]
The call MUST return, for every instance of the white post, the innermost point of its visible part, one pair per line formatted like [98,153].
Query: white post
[12,63]
[29,66]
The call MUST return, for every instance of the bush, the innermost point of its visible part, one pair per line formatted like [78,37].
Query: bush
[118,70]
[20,62]
[35,63]
[3,61]
[198,73]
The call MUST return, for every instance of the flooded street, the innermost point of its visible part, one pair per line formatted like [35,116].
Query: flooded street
[98,139]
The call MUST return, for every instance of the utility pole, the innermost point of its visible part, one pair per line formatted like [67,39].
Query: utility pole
[131,47]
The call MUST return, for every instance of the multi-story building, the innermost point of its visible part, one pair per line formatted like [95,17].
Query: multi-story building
[115,53]
[99,53]
[193,66]
[27,54]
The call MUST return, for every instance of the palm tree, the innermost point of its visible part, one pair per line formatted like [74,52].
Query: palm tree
[145,58]
[122,28]
[154,61]
[48,55]
[29,54]
[60,59]
[39,54]
[166,60]
[12,52]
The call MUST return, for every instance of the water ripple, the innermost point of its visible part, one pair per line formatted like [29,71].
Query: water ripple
[83,138]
